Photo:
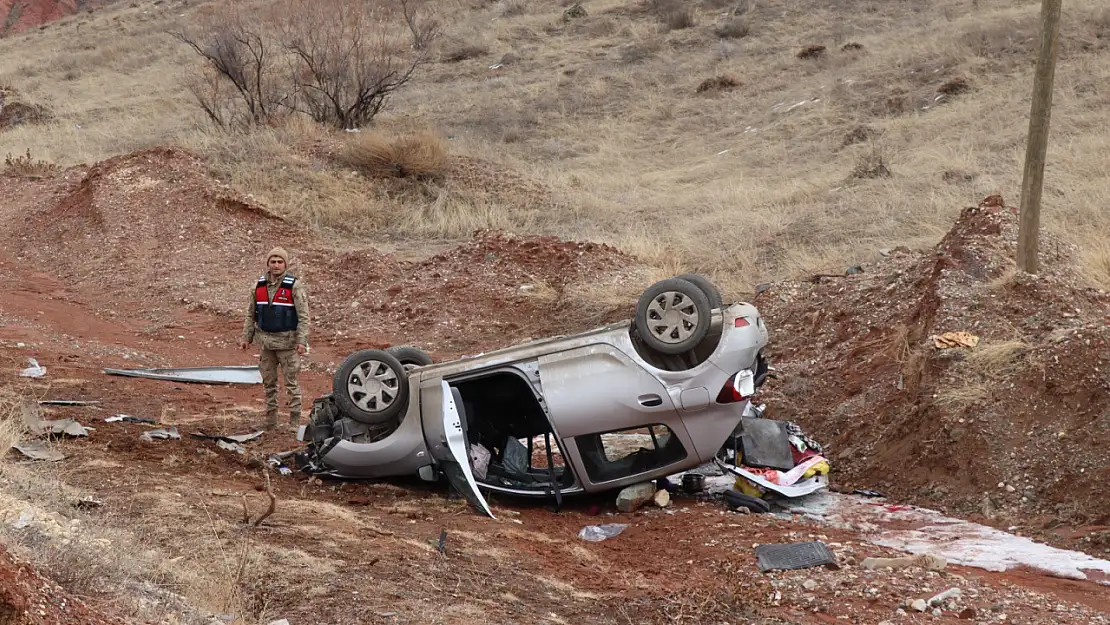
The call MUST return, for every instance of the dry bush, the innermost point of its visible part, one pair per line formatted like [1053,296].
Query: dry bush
[955,86]
[736,28]
[463,51]
[673,14]
[871,164]
[859,134]
[997,360]
[27,166]
[852,47]
[513,8]
[718,83]
[12,428]
[421,155]
[640,51]
[15,112]
[337,61]
[811,52]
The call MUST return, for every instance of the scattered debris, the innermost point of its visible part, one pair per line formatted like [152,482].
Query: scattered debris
[160,433]
[247,374]
[598,533]
[236,447]
[67,402]
[924,561]
[33,371]
[234,438]
[88,502]
[129,419]
[949,340]
[38,450]
[794,556]
[693,482]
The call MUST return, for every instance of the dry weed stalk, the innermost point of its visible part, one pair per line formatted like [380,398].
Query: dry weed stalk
[270,510]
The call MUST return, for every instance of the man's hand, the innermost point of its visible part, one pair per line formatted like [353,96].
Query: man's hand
[243,345]
[302,349]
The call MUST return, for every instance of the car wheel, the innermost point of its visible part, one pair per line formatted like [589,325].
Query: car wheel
[371,386]
[711,291]
[410,357]
[672,316]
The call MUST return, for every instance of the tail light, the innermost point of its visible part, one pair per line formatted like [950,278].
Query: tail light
[739,387]
[742,322]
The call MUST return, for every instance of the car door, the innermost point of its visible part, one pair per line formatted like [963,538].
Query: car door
[600,399]
[457,468]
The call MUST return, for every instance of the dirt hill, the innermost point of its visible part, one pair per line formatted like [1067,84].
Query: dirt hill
[162,236]
[1010,426]
[21,15]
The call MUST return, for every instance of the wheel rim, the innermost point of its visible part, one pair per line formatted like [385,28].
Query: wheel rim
[672,317]
[372,386]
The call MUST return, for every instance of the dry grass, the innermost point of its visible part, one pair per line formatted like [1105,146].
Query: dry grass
[378,155]
[997,360]
[749,187]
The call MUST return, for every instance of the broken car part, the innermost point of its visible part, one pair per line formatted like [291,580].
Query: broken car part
[794,556]
[66,402]
[248,374]
[160,433]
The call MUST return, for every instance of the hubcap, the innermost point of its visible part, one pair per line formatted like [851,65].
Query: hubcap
[672,317]
[373,386]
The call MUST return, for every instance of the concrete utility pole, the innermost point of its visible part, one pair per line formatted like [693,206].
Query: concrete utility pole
[1033,179]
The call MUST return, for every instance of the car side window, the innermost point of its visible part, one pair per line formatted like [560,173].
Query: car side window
[623,453]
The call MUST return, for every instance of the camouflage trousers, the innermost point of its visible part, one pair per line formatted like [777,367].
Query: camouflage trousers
[268,362]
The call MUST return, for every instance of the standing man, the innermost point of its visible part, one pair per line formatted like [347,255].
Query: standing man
[278,317]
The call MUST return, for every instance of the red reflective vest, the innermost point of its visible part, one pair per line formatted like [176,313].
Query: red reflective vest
[279,315]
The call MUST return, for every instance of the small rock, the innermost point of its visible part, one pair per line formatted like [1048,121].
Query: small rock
[810,584]
[919,605]
[279,622]
[635,496]
[937,612]
[662,498]
[967,614]
[1010,488]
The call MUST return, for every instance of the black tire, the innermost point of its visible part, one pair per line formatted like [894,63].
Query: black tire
[665,335]
[395,387]
[735,499]
[710,289]
[410,357]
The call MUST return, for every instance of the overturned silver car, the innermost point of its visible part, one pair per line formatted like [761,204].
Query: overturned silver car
[599,410]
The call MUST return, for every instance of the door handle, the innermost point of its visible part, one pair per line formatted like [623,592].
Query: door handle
[651,401]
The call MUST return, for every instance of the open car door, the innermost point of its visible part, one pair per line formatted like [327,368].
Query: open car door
[458,469]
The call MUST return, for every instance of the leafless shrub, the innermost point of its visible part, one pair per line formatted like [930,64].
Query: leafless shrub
[238,84]
[421,155]
[347,58]
[423,26]
[735,28]
[337,61]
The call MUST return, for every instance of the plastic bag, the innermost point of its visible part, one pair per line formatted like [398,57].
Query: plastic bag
[598,533]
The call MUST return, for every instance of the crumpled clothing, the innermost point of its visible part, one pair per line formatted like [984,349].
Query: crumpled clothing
[810,467]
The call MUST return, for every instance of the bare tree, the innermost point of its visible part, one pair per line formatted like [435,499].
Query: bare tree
[240,52]
[348,57]
[423,28]
[336,61]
